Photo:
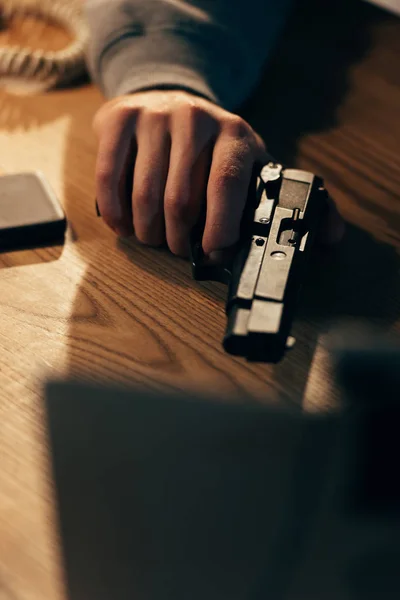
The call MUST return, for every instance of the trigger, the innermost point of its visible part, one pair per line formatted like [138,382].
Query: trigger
[272,188]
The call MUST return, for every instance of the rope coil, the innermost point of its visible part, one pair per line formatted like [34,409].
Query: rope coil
[48,67]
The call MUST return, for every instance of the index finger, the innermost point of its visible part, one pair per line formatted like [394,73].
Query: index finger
[227,190]
[115,153]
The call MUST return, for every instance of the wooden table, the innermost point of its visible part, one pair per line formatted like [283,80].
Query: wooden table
[111,310]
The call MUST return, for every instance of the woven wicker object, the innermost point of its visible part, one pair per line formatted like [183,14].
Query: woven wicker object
[48,69]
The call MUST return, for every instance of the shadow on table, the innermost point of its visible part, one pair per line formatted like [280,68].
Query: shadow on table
[167,497]
[358,279]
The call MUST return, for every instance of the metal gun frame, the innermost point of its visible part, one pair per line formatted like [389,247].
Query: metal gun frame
[281,218]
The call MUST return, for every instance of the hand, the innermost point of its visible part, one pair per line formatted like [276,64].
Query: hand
[174,149]
[161,153]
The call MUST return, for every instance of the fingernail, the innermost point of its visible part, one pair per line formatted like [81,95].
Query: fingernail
[122,231]
[221,256]
[217,256]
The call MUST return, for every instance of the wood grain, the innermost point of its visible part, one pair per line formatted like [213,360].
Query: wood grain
[112,310]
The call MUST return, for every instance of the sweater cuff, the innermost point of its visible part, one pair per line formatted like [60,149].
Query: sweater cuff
[168,60]
[121,74]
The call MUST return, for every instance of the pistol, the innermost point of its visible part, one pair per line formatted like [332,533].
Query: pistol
[264,277]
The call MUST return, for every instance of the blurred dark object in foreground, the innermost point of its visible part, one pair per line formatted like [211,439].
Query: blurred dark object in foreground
[370,374]
[166,496]
[354,549]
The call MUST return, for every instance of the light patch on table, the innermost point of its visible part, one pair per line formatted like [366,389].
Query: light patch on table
[319,387]
[42,311]
[38,147]
[38,319]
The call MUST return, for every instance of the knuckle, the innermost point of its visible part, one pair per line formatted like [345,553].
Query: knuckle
[177,207]
[146,192]
[155,115]
[237,126]
[142,197]
[104,178]
[196,118]
[190,111]
[232,174]
[114,113]
[119,115]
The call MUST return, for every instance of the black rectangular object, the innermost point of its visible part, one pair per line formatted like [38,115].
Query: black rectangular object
[30,213]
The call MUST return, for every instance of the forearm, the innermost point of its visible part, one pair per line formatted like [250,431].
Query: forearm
[213,48]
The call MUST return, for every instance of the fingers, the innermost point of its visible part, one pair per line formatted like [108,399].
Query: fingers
[150,175]
[176,151]
[235,153]
[113,158]
[191,152]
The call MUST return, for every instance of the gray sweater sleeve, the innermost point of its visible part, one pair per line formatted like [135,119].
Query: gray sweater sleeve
[213,48]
